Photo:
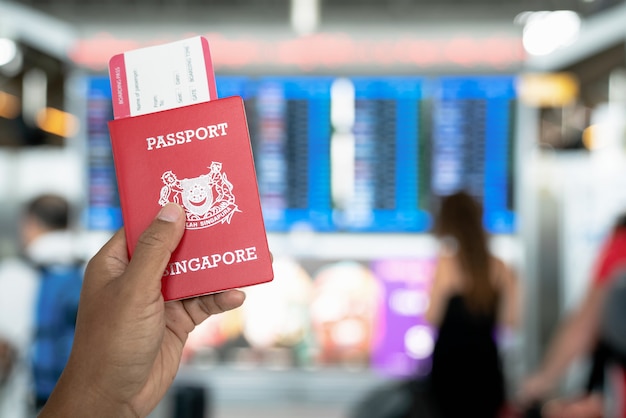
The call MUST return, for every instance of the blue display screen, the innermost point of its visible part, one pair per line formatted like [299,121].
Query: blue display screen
[103,209]
[291,136]
[414,140]
[472,143]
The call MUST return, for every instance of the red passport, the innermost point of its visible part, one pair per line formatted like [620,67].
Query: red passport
[200,157]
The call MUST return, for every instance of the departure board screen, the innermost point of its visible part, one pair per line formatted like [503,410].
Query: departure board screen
[414,139]
[291,144]
[473,124]
[388,139]
[103,209]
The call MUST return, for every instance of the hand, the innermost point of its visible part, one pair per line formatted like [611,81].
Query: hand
[128,341]
[587,406]
[534,389]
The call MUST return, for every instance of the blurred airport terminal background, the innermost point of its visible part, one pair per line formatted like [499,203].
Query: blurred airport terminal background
[361,115]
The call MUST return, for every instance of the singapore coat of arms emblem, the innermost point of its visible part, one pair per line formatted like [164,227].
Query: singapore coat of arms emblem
[208,199]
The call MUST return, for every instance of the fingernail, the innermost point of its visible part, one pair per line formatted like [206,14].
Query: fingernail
[170,212]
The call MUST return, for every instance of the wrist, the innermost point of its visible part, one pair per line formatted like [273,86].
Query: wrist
[74,396]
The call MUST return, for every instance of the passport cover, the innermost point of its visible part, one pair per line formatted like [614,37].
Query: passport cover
[200,157]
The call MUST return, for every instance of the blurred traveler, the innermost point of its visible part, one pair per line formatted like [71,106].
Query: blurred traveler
[578,334]
[18,292]
[129,342]
[473,294]
[50,249]
[18,286]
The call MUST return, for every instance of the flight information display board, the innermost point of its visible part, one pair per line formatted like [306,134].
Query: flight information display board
[415,139]
[473,125]
[388,143]
[103,208]
[291,144]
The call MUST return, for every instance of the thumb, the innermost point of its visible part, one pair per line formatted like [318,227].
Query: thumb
[155,246]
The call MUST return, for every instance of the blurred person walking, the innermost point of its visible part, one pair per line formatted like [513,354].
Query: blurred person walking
[49,289]
[579,334]
[472,295]
[18,288]
[51,249]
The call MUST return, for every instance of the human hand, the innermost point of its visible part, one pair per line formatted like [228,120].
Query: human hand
[588,406]
[533,389]
[128,341]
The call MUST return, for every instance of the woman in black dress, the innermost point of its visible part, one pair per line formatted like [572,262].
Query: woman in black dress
[473,294]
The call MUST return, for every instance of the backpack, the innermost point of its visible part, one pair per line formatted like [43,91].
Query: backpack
[55,322]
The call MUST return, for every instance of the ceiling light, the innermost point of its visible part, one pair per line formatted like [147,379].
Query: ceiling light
[8,51]
[305,16]
[10,57]
[545,32]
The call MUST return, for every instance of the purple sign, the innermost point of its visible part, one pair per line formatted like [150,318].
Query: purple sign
[403,340]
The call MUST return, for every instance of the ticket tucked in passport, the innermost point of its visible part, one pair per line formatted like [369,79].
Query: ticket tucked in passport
[162,77]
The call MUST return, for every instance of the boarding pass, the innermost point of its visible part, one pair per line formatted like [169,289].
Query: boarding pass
[162,77]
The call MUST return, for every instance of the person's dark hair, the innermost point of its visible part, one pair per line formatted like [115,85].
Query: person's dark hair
[52,211]
[460,217]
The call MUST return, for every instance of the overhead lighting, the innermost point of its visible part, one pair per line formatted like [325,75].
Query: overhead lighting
[305,16]
[57,122]
[591,137]
[9,105]
[548,89]
[546,31]
[10,57]
[8,51]
[34,94]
